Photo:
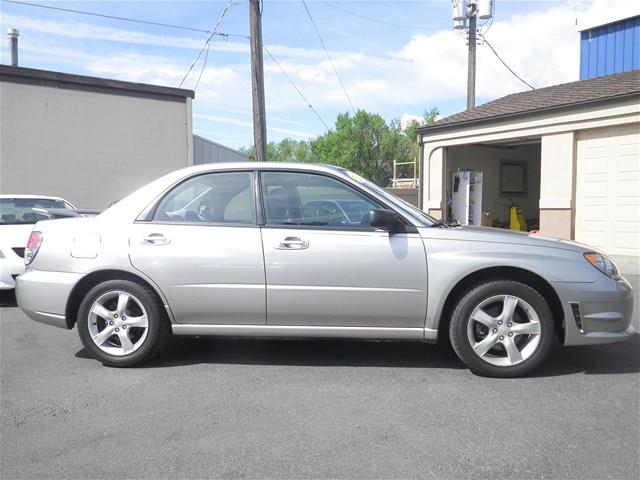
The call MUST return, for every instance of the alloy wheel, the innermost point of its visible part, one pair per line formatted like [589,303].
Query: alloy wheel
[504,330]
[118,323]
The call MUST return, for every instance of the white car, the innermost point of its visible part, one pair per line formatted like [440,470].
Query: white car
[17,218]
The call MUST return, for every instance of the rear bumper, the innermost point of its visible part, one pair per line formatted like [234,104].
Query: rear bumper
[596,313]
[10,268]
[43,295]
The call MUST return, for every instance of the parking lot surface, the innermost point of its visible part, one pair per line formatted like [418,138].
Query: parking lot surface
[310,409]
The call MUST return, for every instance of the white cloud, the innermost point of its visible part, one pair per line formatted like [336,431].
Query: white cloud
[247,124]
[88,31]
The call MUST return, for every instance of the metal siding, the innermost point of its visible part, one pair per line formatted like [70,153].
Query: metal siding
[610,54]
[628,51]
[618,61]
[205,151]
[636,44]
[584,55]
[610,49]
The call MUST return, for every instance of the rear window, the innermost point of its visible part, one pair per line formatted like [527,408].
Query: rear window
[14,211]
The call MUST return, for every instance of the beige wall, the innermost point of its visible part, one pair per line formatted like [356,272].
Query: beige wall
[557,158]
[557,222]
[91,148]
[558,153]
[409,195]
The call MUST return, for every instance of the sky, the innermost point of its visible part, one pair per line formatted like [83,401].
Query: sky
[395,58]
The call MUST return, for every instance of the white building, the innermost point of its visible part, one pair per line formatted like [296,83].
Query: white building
[569,155]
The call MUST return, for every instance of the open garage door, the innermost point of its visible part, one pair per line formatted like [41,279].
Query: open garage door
[608,189]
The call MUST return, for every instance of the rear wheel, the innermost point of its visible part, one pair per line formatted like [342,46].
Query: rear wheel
[502,328]
[122,323]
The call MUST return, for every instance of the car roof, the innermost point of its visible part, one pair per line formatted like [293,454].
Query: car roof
[206,167]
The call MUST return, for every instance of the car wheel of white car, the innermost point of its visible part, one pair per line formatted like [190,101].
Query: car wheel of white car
[502,329]
[122,323]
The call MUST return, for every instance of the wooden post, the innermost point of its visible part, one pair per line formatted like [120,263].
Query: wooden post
[257,81]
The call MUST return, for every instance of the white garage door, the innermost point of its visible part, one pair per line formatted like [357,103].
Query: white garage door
[608,189]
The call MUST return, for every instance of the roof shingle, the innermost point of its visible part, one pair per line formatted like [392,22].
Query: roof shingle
[556,96]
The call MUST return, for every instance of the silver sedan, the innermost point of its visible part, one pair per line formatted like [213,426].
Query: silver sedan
[243,250]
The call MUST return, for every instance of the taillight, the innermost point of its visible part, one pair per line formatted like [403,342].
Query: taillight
[33,245]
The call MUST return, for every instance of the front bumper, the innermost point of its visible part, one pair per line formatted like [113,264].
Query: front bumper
[10,267]
[596,313]
[43,295]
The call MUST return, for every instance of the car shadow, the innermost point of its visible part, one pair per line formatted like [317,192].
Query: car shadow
[8,298]
[603,359]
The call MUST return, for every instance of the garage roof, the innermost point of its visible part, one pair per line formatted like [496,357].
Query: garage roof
[548,98]
[48,78]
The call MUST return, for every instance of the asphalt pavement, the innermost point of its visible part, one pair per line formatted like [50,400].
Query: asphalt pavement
[217,408]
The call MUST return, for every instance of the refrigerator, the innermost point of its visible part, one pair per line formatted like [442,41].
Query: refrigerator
[466,197]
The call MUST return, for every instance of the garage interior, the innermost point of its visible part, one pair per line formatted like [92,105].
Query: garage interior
[510,177]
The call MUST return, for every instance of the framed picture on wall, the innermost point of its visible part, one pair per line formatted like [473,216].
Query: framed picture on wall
[513,177]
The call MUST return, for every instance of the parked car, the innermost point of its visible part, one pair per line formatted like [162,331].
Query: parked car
[253,256]
[17,217]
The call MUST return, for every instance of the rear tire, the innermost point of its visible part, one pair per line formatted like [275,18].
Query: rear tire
[502,328]
[122,323]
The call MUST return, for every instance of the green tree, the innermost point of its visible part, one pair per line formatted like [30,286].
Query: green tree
[287,150]
[363,143]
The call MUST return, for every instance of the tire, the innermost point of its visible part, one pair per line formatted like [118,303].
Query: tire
[502,328]
[104,330]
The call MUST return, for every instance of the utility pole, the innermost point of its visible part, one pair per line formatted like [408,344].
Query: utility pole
[471,62]
[257,81]
[465,19]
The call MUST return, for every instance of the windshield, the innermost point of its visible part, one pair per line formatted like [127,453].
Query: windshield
[404,205]
[16,211]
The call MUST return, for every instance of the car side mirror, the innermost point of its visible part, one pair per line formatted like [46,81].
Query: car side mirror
[385,220]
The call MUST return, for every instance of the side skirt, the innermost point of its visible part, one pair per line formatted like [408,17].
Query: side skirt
[378,333]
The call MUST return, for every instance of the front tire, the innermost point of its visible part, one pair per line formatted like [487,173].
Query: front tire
[502,328]
[122,323]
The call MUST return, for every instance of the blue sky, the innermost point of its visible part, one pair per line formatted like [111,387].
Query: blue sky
[397,71]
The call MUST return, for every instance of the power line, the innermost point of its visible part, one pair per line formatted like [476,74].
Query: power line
[484,39]
[328,56]
[296,87]
[123,19]
[207,42]
[383,22]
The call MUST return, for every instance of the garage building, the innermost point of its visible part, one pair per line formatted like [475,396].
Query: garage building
[567,155]
[90,140]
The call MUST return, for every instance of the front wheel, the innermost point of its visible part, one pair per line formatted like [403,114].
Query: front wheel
[122,323]
[502,328]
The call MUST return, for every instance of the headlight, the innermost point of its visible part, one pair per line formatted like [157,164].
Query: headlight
[603,264]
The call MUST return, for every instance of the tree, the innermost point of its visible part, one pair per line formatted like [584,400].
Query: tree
[287,150]
[363,143]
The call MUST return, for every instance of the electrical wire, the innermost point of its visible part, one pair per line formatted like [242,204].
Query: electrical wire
[123,19]
[204,64]
[383,22]
[207,43]
[484,39]
[296,87]
[328,56]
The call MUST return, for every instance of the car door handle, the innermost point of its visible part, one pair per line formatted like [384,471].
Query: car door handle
[156,239]
[293,243]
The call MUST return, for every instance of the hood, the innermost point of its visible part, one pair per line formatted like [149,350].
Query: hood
[499,235]
[15,236]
